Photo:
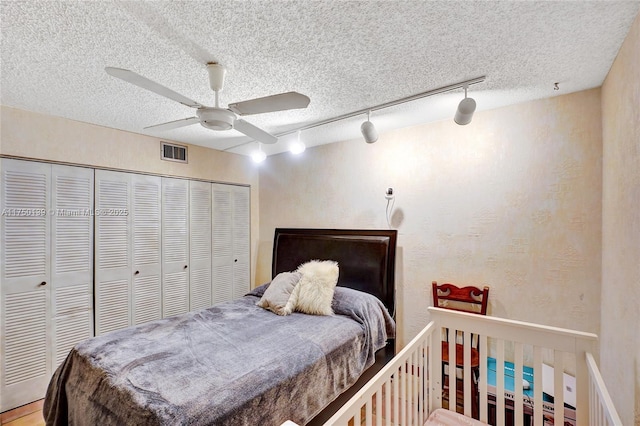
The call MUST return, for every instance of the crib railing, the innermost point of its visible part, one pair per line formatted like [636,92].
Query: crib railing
[601,408]
[409,387]
[398,394]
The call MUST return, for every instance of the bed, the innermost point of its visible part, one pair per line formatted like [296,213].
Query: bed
[236,363]
[408,390]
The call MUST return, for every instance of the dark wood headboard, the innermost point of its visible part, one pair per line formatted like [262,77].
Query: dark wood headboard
[366,258]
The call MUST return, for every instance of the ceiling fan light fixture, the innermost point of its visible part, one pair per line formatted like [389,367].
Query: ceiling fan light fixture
[216,76]
[465,110]
[368,130]
[216,118]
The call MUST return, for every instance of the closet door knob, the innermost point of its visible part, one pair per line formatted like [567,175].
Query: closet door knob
[43,283]
[136,273]
[185,266]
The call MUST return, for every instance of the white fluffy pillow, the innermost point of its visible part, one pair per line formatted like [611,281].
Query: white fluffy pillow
[278,294]
[314,292]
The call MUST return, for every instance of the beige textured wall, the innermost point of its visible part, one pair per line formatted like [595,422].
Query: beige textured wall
[36,136]
[620,336]
[512,201]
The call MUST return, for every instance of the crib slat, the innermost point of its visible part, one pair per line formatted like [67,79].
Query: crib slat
[435,360]
[558,387]
[379,407]
[517,377]
[593,405]
[403,394]
[537,386]
[453,394]
[368,413]
[482,385]
[416,386]
[387,402]
[500,382]
[411,389]
[422,382]
[396,396]
[467,373]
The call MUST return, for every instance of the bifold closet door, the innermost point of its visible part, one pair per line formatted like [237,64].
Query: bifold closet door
[147,267]
[230,242]
[241,240]
[25,281]
[113,257]
[72,258]
[200,245]
[222,243]
[175,246]
[46,278]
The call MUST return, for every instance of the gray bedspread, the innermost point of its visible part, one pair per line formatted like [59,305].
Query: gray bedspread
[232,364]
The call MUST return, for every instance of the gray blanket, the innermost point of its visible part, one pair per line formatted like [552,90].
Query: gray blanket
[231,364]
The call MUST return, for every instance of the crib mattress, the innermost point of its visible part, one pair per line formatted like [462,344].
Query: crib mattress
[443,417]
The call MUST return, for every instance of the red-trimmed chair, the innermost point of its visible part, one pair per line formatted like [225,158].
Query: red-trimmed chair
[466,299]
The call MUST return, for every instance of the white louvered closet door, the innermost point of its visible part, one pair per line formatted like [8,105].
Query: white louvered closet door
[200,245]
[24,281]
[147,266]
[72,259]
[113,257]
[241,240]
[231,241]
[222,243]
[175,246]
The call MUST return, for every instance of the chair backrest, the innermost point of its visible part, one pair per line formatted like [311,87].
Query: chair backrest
[465,299]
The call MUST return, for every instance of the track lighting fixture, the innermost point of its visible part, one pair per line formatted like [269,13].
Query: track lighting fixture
[297,146]
[463,115]
[465,110]
[462,108]
[259,156]
[369,130]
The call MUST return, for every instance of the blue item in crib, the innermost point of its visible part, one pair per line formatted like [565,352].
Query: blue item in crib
[509,373]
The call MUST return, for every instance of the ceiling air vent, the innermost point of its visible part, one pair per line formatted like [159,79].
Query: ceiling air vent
[173,152]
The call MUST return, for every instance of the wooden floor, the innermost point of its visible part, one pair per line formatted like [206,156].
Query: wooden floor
[27,415]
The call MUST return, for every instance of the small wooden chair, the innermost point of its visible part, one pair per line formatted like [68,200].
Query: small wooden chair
[466,299]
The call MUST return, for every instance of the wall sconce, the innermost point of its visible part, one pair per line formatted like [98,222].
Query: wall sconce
[465,110]
[369,130]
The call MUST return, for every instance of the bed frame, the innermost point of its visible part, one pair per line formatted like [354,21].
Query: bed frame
[409,387]
[366,259]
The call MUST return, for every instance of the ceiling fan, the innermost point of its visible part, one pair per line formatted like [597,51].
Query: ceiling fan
[217,118]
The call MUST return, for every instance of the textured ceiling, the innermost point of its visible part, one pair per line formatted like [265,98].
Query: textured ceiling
[345,55]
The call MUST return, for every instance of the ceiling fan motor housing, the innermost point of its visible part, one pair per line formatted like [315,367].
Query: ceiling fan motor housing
[216,76]
[216,118]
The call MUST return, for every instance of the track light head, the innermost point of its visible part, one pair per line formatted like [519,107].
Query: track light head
[297,146]
[465,110]
[369,131]
[258,155]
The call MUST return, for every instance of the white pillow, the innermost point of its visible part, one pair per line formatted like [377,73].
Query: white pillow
[278,293]
[314,292]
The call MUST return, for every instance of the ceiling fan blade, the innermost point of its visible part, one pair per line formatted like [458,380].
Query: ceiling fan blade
[174,124]
[254,132]
[281,102]
[145,83]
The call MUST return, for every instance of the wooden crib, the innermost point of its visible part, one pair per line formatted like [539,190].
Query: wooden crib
[409,388]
